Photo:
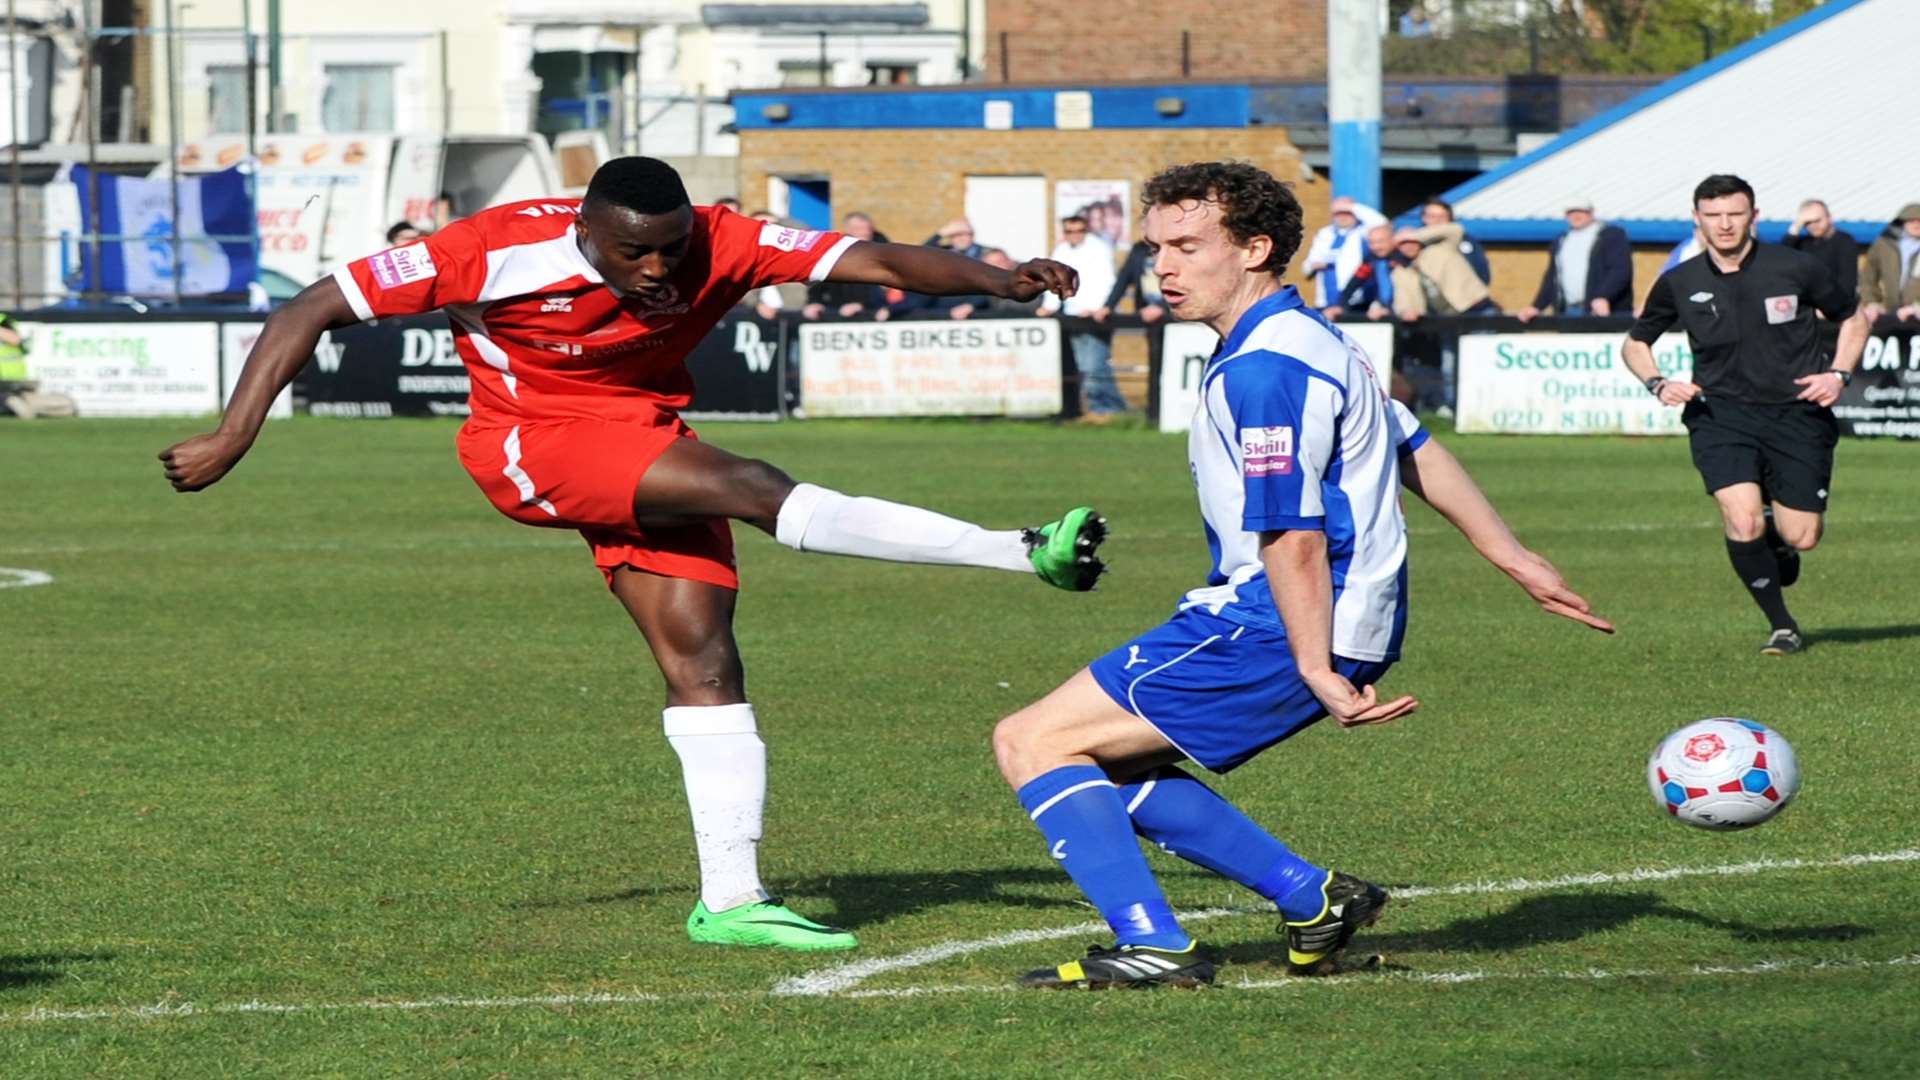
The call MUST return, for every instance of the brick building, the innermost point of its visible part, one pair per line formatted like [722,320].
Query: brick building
[1030,40]
[916,159]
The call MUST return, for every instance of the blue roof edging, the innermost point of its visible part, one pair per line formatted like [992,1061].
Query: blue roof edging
[1659,93]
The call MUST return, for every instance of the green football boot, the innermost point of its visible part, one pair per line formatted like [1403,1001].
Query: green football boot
[1063,552]
[767,923]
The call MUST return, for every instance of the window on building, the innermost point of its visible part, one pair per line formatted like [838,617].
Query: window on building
[359,97]
[892,74]
[581,91]
[226,98]
[805,73]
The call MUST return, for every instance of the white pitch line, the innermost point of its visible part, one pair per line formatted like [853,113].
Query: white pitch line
[12,577]
[837,980]
[186,1010]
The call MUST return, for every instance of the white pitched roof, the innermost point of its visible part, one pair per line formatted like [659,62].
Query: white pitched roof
[1822,107]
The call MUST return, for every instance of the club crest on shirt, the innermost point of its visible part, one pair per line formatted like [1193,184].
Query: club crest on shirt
[398,266]
[1782,308]
[779,236]
[665,302]
[1266,451]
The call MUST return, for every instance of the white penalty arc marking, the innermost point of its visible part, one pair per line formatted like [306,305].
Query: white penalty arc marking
[12,577]
[839,980]
[186,1010]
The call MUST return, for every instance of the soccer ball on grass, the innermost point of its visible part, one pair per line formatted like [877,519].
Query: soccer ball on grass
[1724,773]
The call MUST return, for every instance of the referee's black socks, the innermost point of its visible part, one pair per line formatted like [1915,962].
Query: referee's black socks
[1759,571]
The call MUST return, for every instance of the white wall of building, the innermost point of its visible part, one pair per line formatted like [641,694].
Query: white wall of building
[486,84]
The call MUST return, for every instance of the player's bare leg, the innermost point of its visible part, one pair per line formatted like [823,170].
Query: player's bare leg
[689,627]
[1743,512]
[693,480]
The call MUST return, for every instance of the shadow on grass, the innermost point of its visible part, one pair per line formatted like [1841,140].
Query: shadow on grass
[858,900]
[32,969]
[1854,635]
[1549,920]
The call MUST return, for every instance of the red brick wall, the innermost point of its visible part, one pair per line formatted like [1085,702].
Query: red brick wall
[1049,41]
[913,180]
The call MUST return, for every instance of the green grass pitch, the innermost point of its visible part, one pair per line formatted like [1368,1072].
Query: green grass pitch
[333,771]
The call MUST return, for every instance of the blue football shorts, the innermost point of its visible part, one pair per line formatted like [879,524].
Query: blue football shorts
[1220,692]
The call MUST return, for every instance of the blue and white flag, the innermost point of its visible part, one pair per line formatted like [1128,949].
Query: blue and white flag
[141,211]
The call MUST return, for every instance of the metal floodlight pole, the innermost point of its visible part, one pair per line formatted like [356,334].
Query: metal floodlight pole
[92,239]
[13,125]
[1353,97]
[252,173]
[173,145]
[253,74]
[273,65]
[446,83]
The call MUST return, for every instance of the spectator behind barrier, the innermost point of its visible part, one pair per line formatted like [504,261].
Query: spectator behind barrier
[1136,276]
[1589,269]
[1438,211]
[847,299]
[404,232]
[1092,258]
[1001,305]
[1891,280]
[1339,248]
[18,394]
[1369,291]
[956,236]
[1432,277]
[1812,231]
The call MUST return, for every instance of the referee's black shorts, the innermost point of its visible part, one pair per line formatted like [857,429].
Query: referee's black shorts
[1786,449]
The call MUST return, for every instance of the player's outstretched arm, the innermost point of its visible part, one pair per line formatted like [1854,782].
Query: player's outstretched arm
[285,345]
[1435,475]
[936,272]
[1302,584]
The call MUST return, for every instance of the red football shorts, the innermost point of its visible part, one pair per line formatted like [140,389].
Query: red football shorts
[581,474]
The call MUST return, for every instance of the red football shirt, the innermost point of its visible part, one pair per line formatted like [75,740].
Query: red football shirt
[545,338]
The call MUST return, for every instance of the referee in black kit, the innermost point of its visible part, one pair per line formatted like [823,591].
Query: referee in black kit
[1759,412]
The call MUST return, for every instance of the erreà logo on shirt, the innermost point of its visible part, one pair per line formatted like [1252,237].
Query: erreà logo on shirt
[397,266]
[1266,451]
[779,236]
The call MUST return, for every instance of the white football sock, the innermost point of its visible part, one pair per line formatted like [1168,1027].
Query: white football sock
[725,767]
[819,519]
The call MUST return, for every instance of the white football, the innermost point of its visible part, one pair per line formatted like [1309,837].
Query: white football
[1724,773]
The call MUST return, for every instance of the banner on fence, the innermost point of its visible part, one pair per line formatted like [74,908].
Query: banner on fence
[236,342]
[1562,384]
[140,214]
[1884,399]
[392,367]
[127,368]
[1187,346]
[738,371]
[993,367]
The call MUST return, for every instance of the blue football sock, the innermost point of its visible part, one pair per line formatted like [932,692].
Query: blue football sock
[1189,819]
[1087,829]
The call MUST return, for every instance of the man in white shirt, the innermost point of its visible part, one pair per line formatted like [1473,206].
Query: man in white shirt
[1339,248]
[1090,256]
